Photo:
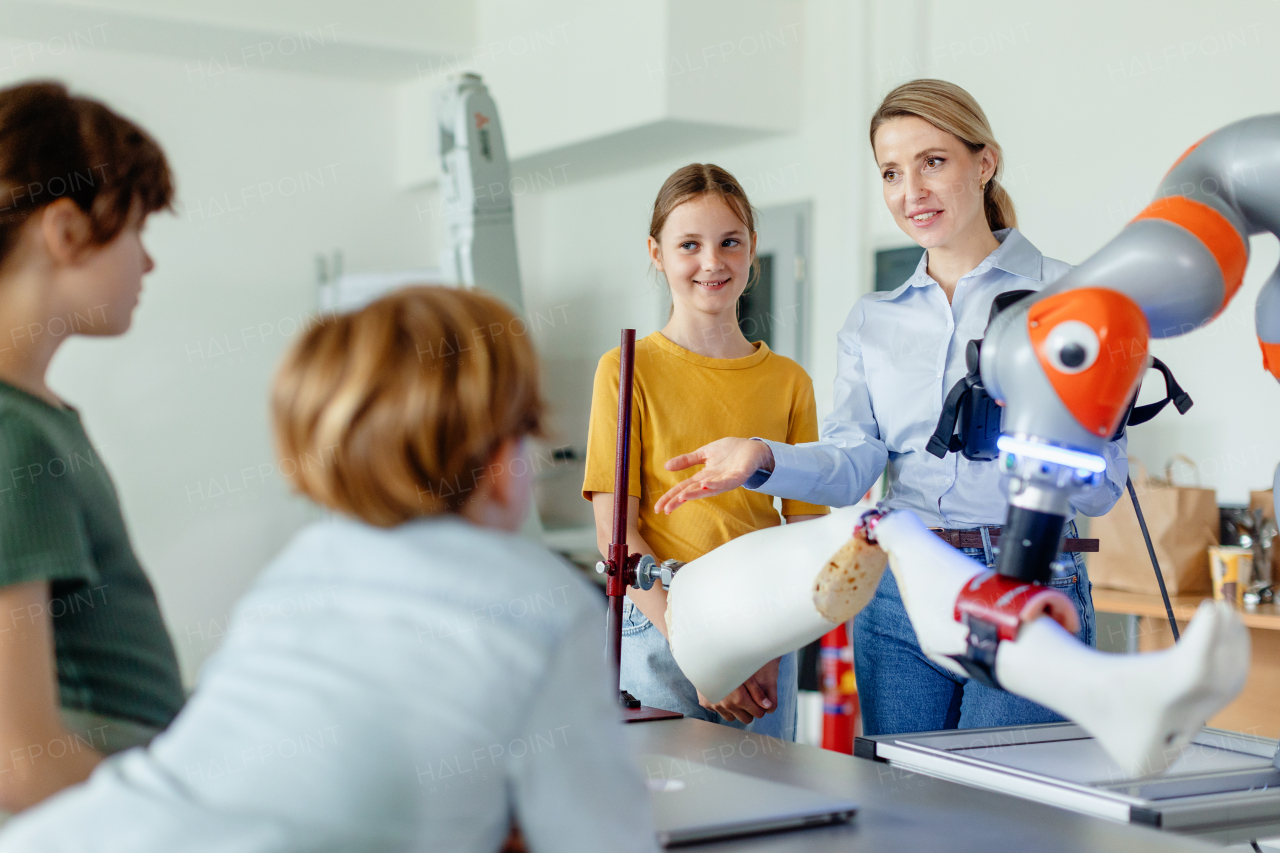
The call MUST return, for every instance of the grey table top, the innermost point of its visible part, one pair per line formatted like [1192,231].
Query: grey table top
[897,810]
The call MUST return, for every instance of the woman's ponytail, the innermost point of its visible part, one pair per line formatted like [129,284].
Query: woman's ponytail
[998,206]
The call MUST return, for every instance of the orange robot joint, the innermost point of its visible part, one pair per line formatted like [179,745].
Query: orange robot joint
[1211,228]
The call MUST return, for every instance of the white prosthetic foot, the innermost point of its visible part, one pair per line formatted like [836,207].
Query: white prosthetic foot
[1141,708]
[767,593]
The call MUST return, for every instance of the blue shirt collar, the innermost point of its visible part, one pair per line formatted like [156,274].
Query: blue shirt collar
[1015,255]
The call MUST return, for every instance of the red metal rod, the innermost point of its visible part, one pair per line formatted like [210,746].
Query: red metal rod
[622,457]
[616,578]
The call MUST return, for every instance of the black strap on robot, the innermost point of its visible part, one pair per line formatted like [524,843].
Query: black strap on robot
[969,403]
[1173,393]
[939,445]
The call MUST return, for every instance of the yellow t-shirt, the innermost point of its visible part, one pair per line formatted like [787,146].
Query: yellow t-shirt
[682,401]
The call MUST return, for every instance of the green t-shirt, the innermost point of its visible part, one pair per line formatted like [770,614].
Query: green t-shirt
[60,522]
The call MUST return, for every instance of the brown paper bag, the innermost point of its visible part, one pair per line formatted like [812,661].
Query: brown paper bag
[1263,501]
[1183,522]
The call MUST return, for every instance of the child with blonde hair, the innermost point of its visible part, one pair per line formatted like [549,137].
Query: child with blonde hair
[409,674]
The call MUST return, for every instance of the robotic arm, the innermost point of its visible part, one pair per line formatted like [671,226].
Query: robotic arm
[1067,361]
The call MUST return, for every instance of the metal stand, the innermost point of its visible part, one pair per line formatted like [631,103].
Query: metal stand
[620,566]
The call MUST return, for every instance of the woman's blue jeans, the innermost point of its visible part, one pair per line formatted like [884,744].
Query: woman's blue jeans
[900,690]
[651,674]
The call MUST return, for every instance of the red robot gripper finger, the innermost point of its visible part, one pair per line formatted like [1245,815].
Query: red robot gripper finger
[994,607]
[1008,604]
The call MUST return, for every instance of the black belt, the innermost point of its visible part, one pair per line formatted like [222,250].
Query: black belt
[973,539]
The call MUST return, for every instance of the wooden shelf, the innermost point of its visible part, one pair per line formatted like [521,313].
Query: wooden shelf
[1266,616]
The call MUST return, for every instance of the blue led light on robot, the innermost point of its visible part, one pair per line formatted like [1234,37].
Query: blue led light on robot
[1052,453]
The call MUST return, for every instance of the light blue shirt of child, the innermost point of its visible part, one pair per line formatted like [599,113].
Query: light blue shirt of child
[413,688]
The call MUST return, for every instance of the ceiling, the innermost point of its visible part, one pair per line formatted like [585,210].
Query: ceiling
[389,40]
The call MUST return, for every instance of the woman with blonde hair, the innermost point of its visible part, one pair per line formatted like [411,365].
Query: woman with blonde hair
[898,354]
[409,673]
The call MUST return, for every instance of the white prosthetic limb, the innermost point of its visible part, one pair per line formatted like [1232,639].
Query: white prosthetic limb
[765,594]
[1142,709]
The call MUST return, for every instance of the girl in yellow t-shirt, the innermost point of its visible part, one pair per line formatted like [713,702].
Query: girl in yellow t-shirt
[697,380]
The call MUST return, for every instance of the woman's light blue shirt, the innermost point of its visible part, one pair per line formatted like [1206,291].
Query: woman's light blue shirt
[899,353]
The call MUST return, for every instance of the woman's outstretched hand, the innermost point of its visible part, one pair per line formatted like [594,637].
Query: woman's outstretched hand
[727,464]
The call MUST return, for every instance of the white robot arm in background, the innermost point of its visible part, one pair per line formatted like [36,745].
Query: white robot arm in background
[475,200]
[475,189]
[1067,363]
[475,193]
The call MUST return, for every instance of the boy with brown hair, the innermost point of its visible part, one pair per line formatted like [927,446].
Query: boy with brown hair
[86,666]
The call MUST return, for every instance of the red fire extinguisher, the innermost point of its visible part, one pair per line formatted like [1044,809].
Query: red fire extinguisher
[839,692]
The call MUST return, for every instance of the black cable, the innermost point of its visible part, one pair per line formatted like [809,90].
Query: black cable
[1164,593]
[1255,846]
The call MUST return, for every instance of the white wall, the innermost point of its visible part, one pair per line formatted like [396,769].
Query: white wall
[271,169]
[569,67]
[438,26]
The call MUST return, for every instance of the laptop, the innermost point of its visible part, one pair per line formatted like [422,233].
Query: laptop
[694,803]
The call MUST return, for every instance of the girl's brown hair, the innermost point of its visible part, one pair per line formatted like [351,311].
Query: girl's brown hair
[948,107]
[395,411]
[696,180]
[56,145]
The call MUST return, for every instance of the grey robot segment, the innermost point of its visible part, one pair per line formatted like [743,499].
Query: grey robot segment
[1172,276]
[1144,263]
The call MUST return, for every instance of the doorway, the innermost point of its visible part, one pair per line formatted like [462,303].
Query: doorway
[774,308]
